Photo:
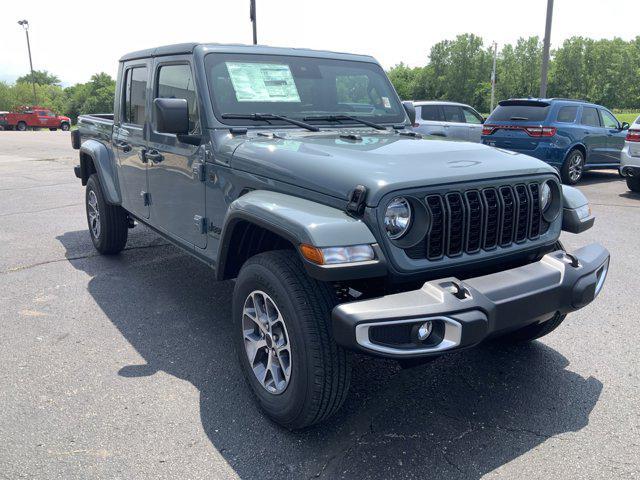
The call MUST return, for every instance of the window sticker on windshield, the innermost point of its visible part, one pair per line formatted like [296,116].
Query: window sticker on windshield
[386,102]
[262,82]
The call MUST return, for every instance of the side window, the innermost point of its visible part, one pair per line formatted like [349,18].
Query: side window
[590,117]
[609,120]
[135,96]
[453,113]
[567,114]
[471,116]
[430,112]
[176,81]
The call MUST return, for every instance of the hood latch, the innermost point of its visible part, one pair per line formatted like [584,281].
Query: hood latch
[356,201]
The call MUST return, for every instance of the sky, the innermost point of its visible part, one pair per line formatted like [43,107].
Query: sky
[75,39]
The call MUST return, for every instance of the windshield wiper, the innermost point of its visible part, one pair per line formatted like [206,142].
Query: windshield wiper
[268,116]
[340,118]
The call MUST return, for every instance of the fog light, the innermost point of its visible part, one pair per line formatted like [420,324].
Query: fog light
[425,330]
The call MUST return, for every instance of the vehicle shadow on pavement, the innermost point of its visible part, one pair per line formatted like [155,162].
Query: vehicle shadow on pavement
[593,177]
[461,416]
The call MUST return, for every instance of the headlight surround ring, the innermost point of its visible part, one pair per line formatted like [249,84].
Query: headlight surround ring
[553,206]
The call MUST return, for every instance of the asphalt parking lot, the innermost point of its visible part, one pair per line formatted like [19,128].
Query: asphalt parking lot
[122,367]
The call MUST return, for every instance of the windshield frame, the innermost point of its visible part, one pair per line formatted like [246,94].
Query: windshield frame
[213,58]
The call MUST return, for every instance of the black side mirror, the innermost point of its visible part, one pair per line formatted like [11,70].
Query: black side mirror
[625,126]
[171,115]
[411,111]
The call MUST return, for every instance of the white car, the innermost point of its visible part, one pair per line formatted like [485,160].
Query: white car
[630,157]
[448,119]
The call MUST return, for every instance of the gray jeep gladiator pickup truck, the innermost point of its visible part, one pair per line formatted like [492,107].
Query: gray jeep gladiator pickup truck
[294,172]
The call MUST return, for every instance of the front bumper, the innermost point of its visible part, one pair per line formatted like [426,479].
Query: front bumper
[463,313]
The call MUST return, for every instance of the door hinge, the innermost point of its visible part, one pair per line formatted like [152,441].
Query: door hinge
[146,198]
[199,171]
[200,224]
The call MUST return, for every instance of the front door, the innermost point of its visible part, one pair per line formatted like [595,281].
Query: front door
[129,138]
[595,136]
[615,136]
[176,180]
[455,126]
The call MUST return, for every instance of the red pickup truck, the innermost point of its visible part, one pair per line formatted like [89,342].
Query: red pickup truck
[34,117]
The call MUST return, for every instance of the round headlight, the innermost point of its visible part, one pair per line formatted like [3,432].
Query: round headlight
[545,196]
[397,218]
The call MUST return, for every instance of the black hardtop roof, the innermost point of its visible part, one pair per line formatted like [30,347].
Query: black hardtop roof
[183,48]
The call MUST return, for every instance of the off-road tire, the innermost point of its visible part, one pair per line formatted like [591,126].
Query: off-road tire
[113,221]
[320,369]
[65,127]
[21,127]
[534,331]
[565,172]
[633,184]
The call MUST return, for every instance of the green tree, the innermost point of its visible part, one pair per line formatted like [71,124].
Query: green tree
[518,69]
[42,77]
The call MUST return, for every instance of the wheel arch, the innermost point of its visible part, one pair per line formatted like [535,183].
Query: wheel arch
[576,146]
[95,157]
[262,220]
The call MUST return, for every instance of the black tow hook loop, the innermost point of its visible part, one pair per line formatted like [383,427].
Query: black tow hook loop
[574,260]
[356,202]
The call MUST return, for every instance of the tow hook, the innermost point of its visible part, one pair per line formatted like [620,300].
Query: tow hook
[574,260]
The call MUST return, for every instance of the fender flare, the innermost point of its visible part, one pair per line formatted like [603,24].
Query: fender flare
[295,219]
[104,164]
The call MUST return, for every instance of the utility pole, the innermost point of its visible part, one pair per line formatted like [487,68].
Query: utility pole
[254,20]
[545,51]
[493,76]
[24,24]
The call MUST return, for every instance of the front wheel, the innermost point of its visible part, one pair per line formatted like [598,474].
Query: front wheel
[64,127]
[573,168]
[532,332]
[633,183]
[21,127]
[108,224]
[285,345]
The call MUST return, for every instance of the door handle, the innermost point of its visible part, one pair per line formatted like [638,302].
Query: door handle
[154,156]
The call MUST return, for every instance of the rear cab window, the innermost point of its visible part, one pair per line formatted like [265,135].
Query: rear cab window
[590,117]
[430,113]
[567,114]
[520,111]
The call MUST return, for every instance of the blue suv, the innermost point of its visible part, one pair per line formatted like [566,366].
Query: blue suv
[571,135]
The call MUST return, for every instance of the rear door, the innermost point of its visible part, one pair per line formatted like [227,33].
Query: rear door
[130,136]
[615,136]
[176,172]
[474,123]
[595,135]
[430,119]
[455,125]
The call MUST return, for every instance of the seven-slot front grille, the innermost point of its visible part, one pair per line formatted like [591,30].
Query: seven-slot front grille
[480,219]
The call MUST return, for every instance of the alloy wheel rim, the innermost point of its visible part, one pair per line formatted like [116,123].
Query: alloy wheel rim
[266,342]
[94,214]
[575,167]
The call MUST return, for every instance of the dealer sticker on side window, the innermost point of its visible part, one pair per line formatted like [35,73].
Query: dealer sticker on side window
[262,82]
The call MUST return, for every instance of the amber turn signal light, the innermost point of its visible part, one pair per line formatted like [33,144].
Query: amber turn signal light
[311,253]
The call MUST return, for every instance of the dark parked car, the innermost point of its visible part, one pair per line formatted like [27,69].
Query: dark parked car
[571,135]
[344,230]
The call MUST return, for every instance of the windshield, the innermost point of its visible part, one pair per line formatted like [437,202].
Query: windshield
[298,88]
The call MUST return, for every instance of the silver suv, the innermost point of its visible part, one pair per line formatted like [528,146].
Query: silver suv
[448,119]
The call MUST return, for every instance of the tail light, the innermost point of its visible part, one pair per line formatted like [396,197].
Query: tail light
[541,131]
[633,136]
[488,129]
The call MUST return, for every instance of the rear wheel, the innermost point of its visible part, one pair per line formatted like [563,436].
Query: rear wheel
[633,183]
[21,126]
[285,345]
[573,167]
[108,224]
